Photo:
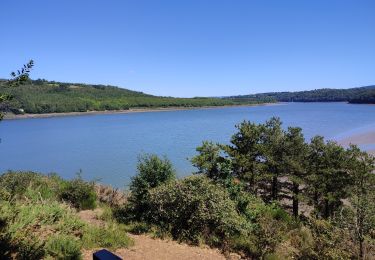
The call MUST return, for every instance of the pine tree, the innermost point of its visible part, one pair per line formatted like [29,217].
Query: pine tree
[245,154]
[272,150]
[362,198]
[328,177]
[294,162]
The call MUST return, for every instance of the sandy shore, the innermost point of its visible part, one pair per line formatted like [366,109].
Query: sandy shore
[132,110]
[366,138]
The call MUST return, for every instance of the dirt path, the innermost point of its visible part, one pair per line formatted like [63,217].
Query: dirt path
[146,247]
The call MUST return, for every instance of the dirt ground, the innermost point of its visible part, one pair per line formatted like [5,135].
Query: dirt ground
[146,247]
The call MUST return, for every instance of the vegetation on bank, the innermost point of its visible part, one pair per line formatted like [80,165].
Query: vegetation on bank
[267,195]
[365,95]
[39,221]
[41,96]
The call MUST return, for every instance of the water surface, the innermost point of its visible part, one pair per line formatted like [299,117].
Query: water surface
[107,146]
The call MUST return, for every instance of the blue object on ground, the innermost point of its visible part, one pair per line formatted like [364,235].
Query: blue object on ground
[105,255]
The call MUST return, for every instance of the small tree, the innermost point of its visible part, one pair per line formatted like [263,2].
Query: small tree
[245,153]
[362,198]
[211,162]
[328,177]
[152,172]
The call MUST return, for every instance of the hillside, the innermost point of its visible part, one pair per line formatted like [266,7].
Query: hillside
[41,96]
[352,95]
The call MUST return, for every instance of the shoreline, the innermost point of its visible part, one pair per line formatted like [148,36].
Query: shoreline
[128,111]
[366,139]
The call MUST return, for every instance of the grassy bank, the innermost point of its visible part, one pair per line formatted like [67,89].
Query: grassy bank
[38,217]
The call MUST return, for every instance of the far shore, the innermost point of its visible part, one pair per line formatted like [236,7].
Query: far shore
[128,111]
[366,138]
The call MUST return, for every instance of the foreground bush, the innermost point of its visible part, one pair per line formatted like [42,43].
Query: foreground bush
[195,210]
[36,224]
[14,184]
[152,172]
[79,193]
[63,247]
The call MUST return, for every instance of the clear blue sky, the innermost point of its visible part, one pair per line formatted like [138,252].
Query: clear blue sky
[193,47]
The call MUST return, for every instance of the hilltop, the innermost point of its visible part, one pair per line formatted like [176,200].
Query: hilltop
[42,96]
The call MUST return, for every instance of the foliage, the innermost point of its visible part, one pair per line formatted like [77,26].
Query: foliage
[195,210]
[18,78]
[21,76]
[211,162]
[35,224]
[41,96]
[328,180]
[112,236]
[15,184]
[359,217]
[352,95]
[152,172]
[63,247]
[334,185]
[79,193]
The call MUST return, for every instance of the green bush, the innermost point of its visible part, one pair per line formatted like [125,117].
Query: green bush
[63,247]
[112,236]
[79,193]
[17,183]
[152,172]
[196,210]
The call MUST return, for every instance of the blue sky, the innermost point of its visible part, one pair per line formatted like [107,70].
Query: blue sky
[193,48]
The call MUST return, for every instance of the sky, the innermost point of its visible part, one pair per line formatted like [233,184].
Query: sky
[187,48]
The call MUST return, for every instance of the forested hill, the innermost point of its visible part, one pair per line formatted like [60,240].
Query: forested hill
[41,96]
[352,95]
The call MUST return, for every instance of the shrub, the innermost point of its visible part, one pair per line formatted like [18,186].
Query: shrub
[112,236]
[152,172]
[63,247]
[17,183]
[79,193]
[195,210]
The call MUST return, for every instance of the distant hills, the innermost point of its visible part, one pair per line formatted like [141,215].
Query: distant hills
[360,95]
[42,96]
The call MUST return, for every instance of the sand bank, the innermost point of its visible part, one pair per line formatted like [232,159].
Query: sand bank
[132,110]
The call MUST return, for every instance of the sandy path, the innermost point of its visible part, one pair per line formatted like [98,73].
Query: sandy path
[146,247]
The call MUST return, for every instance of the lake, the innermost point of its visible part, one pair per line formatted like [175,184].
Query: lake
[106,147]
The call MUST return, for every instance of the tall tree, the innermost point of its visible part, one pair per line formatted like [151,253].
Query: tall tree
[328,176]
[362,198]
[272,150]
[245,154]
[295,163]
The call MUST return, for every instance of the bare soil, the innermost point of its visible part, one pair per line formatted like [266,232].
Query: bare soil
[146,247]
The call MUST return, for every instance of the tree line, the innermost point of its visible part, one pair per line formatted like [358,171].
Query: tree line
[279,165]
[351,95]
[268,194]
[42,96]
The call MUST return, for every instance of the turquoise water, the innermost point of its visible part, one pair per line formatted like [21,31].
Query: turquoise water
[106,147]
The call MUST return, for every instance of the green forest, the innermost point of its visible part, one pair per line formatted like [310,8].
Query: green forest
[41,96]
[365,95]
[268,194]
